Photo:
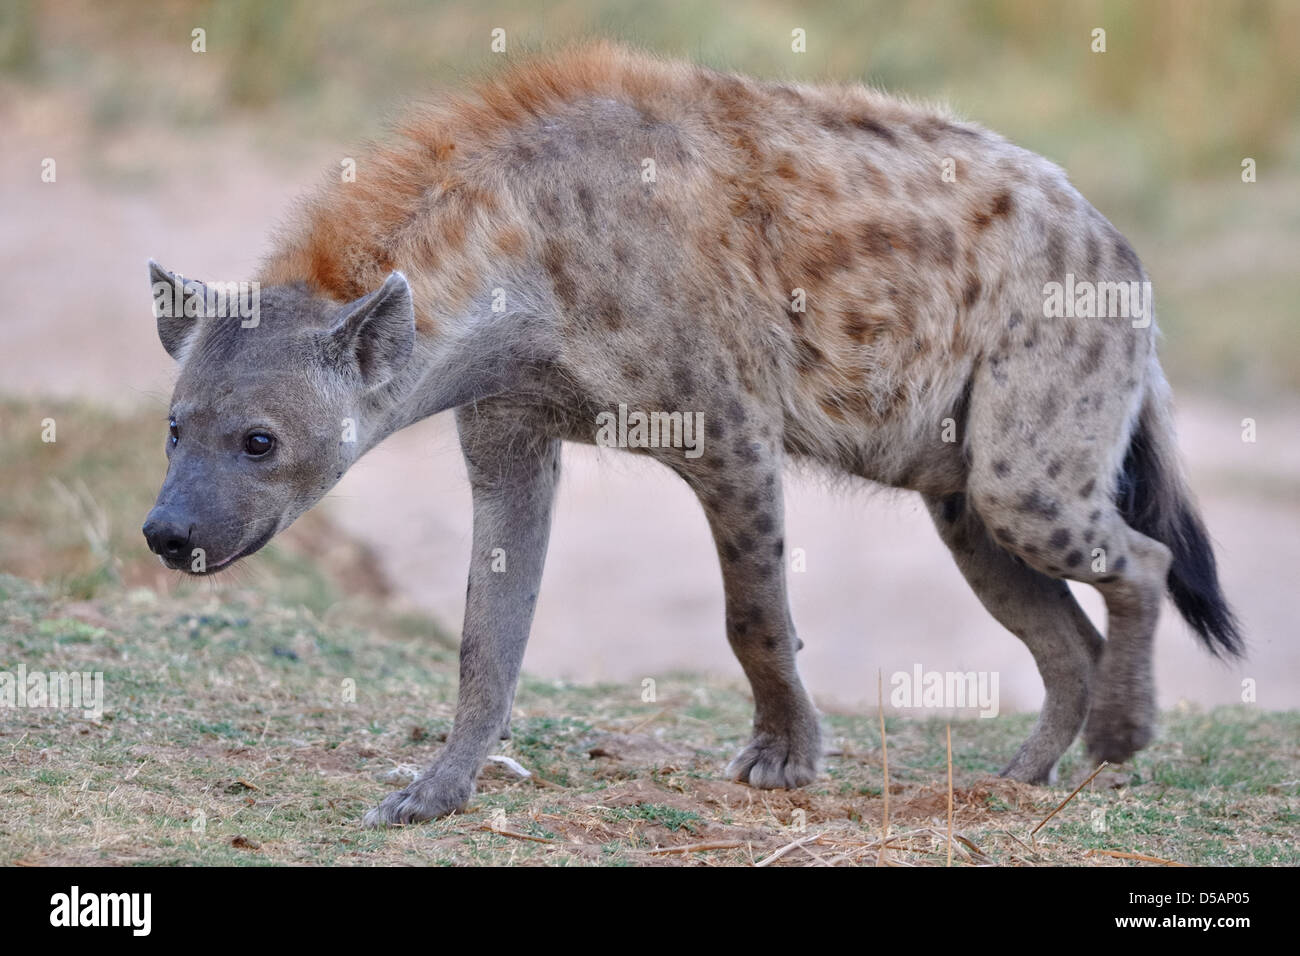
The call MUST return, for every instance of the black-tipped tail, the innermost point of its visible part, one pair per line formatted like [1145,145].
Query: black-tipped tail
[1154,500]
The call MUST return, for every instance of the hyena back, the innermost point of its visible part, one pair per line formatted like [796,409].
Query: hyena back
[827,274]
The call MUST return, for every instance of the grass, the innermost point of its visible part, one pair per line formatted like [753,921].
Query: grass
[238,730]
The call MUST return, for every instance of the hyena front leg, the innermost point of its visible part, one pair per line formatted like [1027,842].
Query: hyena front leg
[1040,611]
[513,469]
[738,481]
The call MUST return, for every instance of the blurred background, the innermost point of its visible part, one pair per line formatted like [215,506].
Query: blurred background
[192,157]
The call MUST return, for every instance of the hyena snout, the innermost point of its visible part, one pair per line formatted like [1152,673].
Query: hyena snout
[168,537]
[187,539]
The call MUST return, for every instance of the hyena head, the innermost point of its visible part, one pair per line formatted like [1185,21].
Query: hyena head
[279,392]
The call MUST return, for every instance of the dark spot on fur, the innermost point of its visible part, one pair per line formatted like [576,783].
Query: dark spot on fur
[1094,254]
[611,312]
[553,262]
[946,244]
[1054,468]
[876,239]
[1001,469]
[830,121]
[1124,252]
[1060,538]
[808,356]
[1087,489]
[1120,563]
[856,326]
[779,548]
[869,125]
[1035,503]
[1092,358]
[1074,559]
[953,507]
[1050,409]
[1056,254]
[764,523]
[587,204]
[971,293]
[1108,579]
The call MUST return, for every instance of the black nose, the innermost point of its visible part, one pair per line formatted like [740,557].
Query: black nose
[166,538]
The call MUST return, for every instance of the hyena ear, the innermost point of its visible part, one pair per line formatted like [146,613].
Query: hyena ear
[377,331]
[177,304]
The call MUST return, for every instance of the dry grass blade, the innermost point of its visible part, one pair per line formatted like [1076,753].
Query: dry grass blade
[884,758]
[648,721]
[1100,767]
[515,834]
[697,847]
[950,794]
[789,847]
[976,852]
[1124,855]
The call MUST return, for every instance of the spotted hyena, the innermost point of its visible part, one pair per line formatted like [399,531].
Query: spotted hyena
[813,272]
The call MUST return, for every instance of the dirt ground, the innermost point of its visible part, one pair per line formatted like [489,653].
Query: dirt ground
[632,588]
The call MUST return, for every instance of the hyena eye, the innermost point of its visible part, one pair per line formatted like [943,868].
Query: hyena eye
[258,444]
[173,430]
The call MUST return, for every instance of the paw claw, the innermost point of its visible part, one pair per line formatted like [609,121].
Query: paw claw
[424,799]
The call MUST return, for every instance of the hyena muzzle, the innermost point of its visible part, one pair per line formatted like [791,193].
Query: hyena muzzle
[820,273]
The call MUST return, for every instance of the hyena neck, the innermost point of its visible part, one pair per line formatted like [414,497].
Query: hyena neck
[471,356]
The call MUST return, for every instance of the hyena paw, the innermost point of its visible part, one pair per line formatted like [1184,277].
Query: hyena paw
[428,797]
[774,761]
[1114,734]
[1029,767]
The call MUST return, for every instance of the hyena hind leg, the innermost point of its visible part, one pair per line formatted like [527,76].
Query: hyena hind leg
[1063,532]
[1040,611]
[740,491]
